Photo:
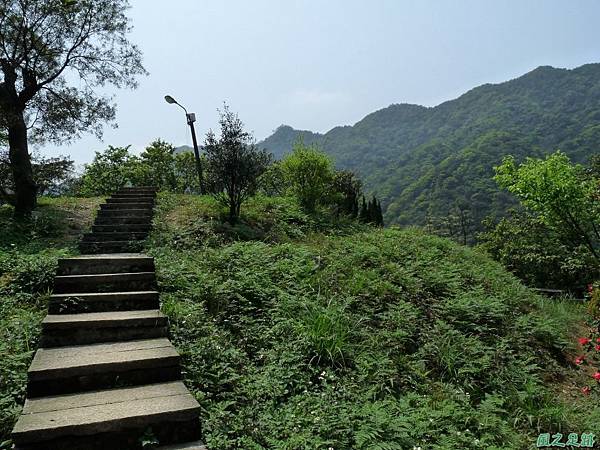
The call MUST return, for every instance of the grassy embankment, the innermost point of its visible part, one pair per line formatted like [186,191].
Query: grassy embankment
[304,333]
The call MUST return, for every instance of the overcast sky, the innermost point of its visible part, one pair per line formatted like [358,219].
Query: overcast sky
[316,64]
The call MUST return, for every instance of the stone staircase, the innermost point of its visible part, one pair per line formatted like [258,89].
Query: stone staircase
[106,375]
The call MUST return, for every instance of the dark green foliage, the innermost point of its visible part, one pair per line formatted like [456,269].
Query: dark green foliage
[54,57]
[537,254]
[234,163]
[158,165]
[28,258]
[347,187]
[370,212]
[423,161]
[383,339]
[52,175]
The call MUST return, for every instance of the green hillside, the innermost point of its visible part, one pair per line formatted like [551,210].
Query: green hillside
[304,332]
[424,161]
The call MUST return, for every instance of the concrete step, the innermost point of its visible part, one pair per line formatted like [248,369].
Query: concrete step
[123,220]
[106,282]
[89,328]
[108,263]
[128,198]
[124,228]
[137,191]
[133,204]
[100,247]
[187,446]
[103,302]
[111,419]
[126,212]
[64,370]
[114,236]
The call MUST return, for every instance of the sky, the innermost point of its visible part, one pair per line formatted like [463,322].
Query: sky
[316,64]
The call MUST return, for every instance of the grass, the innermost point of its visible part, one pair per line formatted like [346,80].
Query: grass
[306,332]
[28,258]
[301,335]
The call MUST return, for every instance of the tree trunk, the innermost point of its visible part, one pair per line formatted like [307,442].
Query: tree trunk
[20,162]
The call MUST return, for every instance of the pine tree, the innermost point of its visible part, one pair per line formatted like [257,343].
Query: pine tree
[379,214]
[363,215]
[355,208]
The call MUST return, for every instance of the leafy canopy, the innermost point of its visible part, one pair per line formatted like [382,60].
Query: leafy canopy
[309,174]
[559,192]
[55,54]
[234,162]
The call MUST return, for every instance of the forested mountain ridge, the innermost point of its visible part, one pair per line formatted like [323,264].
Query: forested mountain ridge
[425,162]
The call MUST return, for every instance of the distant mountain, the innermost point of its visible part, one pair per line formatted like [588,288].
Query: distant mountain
[424,161]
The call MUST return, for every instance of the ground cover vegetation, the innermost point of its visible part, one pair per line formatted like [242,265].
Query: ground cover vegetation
[297,335]
[28,255]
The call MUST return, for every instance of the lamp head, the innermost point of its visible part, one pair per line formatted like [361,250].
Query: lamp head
[170,99]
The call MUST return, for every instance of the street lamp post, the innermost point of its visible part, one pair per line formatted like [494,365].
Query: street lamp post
[191,118]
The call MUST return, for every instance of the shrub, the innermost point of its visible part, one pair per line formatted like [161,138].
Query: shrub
[309,174]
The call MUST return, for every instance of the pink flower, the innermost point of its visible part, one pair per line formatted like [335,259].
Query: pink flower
[597,347]
[579,360]
[590,287]
[586,390]
[598,340]
[584,341]
[596,376]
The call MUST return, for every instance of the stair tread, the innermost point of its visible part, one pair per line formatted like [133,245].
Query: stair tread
[120,256]
[57,321]
[101,276]
[187,446]
[94,295]
[103,411]
[50,363]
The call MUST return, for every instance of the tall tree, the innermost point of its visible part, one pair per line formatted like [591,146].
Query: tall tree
[560,193]
[234,163]
[53,54]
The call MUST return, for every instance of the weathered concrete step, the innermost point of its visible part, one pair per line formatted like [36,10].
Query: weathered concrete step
[103,302]
[64,370]
[125,228]
[105,282]
[89,328]
[112,419]
[101,247]
[107,263]
[128,198]
[114,236]
[118,220]
[187,446]
[125,212]
[142,192]
[129,205]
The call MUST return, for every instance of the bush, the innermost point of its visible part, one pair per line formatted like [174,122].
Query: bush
[309,174]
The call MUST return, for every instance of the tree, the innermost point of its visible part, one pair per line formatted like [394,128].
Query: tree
[309,174]
[363,214]
[534,252]
[53,53]
[185,172]
[347,188]
[49,173]
[157,166]
[562,194]
[234,163]
[110,171]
